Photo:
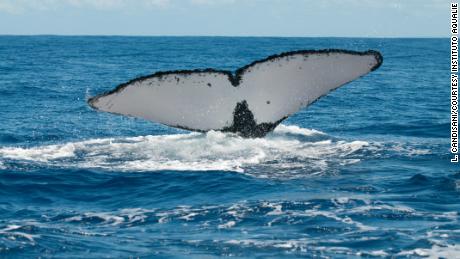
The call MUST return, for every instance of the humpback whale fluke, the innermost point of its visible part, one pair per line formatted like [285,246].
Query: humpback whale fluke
[250,102]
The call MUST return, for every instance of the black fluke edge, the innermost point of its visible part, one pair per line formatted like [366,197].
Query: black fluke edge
[235,78]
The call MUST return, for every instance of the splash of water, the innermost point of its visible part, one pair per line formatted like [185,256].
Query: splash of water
[287,148]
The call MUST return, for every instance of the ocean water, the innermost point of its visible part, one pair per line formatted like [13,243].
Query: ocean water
[365,171]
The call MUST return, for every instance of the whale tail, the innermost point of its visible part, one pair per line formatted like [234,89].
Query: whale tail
[250,102]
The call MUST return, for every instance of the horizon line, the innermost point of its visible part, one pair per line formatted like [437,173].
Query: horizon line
[222,36]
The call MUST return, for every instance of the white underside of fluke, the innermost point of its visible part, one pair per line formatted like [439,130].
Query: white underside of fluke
[205,100]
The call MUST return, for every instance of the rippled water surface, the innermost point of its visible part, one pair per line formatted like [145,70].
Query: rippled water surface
[364,171]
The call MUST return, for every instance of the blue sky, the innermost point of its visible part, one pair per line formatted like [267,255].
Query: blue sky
[360,18]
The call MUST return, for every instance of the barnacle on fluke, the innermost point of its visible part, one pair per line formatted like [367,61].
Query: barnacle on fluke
[237,102]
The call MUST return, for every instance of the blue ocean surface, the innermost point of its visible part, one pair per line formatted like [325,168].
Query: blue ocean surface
[363,172]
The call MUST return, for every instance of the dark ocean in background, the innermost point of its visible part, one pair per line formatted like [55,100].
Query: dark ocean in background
[365,171]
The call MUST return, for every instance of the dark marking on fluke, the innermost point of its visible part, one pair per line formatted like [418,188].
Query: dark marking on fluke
[245,125]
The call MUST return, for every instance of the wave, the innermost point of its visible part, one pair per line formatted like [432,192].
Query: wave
[341,225]
[289,148]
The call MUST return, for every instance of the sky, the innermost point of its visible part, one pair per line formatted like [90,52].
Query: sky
[303,18]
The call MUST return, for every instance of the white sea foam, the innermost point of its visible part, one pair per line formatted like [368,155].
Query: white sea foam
[107,218]
[189,216]
[334,216]
[40,154]
[302,245]
[378,253]
[228,224]
[126,217]
[287,148]
[395,208]
[436,251]
[277,208]
[13,231]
